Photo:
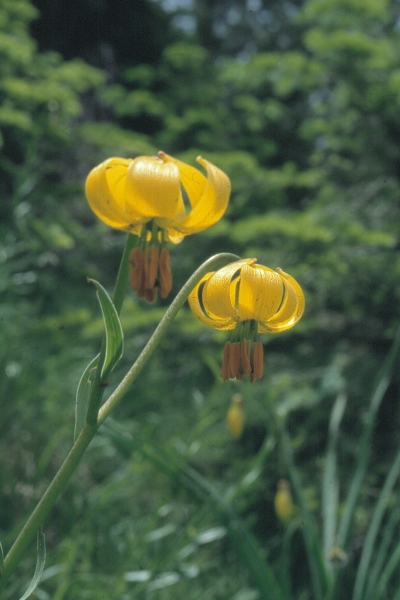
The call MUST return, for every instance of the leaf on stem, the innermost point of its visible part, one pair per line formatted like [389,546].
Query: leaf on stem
[83,395]
[114,335]
[41,559]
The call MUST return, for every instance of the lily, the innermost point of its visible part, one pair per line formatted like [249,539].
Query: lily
[160,199]
[249,299]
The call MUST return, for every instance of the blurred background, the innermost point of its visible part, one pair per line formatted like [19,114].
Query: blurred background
[299,103]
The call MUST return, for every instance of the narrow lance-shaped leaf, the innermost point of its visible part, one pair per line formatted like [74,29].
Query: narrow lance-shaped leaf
[114,334]
[41,559]
[83,395]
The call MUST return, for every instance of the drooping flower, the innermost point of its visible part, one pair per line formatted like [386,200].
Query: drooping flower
[160,199]
[249,299]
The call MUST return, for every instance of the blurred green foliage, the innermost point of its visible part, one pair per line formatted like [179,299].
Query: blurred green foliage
[300,106]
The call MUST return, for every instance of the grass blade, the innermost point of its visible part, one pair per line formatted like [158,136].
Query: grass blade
[373,529]
[319,576]
[381,556]
[330,484]
[384,378]
[1,560]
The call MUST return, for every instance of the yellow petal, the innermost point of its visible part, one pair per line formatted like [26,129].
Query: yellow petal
[290,311]
[297,288]
[152,190]
[196,303]
[208,200]
[191,178]
[104,190]
[219,292]
[261,293]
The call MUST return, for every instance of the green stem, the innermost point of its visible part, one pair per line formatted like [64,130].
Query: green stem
[213,263]
[118,299]
[60,481]
[123,273]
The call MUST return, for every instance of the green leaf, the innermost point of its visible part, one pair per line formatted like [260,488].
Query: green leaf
[41,559]
[83,395]
[114,334]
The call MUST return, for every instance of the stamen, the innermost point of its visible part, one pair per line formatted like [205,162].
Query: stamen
[150,295]
[245,356]
[258,362]
[137,271]
[234,361]
[226,370]
[151,256]
[164,273]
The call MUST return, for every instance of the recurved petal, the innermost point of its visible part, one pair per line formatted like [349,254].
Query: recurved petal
[261,292]
[211,205]
[291,310]
[104,190]
[297,288]
[197,305]
[220,295]
[191,178]
[152,189]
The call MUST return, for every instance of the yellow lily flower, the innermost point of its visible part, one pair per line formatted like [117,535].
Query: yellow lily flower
[147,196]
[250,299]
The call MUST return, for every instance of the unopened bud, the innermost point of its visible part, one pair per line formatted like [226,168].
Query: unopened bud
[235,418]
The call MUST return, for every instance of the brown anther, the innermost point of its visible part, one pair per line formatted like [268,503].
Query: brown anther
[234,360]
[164,274]
[137,271]
[258,362]
[151,266]
[150,295]
[226,370]
[245,357]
